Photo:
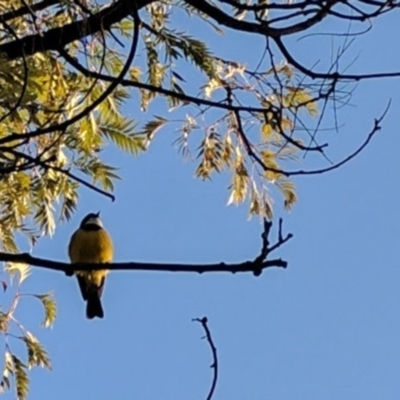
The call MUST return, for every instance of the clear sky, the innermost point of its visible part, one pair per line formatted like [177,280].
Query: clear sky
[327,328]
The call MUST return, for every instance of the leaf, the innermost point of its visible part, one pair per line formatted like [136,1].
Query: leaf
[21,377]
[240,181]
[37,355]
[227,151]
[23,270]
[289,192]
[121,133]
[50,309]
[134,73]
[44,215]
[152,127]
[210,152]
[212,85]
[179,44]
[287,70]
[156,71]
[267,210]
[69,202]
[7,238]
[266,131]
[8,370]
[99,172]
[4,319]
[299,97]
[255,202]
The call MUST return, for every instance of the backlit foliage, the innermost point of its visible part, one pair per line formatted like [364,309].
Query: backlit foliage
[248,124]
[17,364]
[42,153]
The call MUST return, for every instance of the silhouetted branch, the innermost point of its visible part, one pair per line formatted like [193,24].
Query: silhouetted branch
[376,128]
[61,36]
[39,161]
[334,76]
[26,9]
[15,107]
[256,266]
[204,323]
[162,90]
[111,87]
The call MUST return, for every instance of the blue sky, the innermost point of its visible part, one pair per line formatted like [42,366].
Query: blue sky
[326,328]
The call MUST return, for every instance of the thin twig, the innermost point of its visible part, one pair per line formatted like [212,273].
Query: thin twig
[38,161]
[204,323]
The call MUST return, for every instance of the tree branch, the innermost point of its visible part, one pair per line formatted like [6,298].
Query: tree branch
[26,9]
[376,128]
[38,161]
[204,323]
[260,28]
[255,266]
[162,90]
[111,87]
[59,37]
[335,76]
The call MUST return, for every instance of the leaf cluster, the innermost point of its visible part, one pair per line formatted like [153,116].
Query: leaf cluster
[16,367]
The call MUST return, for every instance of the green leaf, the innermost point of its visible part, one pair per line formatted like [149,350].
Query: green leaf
[50,308]
[121,133]
[37,355]
[8,371]
[69,201]
[211,153]
[45,218]
[102,173]
[21,377]
[152,127]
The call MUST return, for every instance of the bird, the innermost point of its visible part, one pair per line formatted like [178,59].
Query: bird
[91,243]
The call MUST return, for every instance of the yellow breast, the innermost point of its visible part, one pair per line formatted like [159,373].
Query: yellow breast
[91,247]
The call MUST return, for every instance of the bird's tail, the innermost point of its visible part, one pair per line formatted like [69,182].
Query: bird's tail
[93,305]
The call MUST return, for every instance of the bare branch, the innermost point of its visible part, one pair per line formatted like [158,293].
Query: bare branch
[204,323]
[334,76]
[255,266]
[260,28]
[376,128]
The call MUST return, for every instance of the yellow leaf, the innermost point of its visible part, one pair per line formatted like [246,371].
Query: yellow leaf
[23,270]
[289,192]
[266,131]
[269,159]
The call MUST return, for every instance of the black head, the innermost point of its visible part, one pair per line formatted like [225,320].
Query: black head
[92,219]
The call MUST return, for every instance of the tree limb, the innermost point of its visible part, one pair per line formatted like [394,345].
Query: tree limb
[111,87]
[255,266]
[59,37]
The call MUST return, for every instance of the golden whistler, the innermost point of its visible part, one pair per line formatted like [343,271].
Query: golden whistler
[91,243]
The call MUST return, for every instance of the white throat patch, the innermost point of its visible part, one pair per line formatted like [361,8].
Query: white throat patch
[94,221]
